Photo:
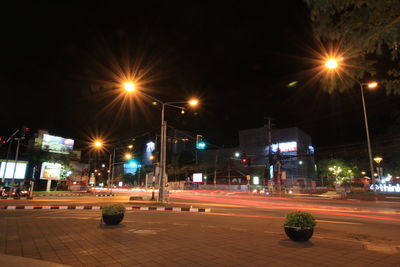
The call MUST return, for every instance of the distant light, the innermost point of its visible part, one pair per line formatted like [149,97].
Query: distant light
[154,103]
[201,145]
[151,157]
[300,162]
[193,102]
[292,84]
[128,156]
[290,192]
[182,111]
[130,146]
[378,159]
[331,64]
[103,165]
[120,184]
[237,154]
[372,84]
[133,163]
[150,146]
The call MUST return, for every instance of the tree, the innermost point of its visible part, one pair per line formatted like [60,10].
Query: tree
[366,33]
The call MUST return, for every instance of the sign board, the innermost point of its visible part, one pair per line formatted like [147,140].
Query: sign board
[256,180]
[8,173]
[197,177]
[248,177]
[50,171]
[56,144]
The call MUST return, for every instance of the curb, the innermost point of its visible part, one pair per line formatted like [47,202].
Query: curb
[22,207]
[107,195]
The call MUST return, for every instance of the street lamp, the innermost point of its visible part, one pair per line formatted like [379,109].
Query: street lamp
[130,87]
[332,64]
[378,160]
[98,144]
[128,156]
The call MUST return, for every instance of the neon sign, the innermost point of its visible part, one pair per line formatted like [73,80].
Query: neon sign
[389,188]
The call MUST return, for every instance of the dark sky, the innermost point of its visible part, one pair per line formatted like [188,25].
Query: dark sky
[60,67]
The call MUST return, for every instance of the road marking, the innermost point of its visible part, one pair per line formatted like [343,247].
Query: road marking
[338,222]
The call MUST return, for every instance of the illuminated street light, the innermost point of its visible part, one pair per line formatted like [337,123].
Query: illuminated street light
[372,85]
[128,156]
[129,86]
[331,63]
[378,159]
[98,144]
[193,102]
[151,157]
[237,154]
[130,146]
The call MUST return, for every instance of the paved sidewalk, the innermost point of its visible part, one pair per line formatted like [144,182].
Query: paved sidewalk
[77,238]
[16,261]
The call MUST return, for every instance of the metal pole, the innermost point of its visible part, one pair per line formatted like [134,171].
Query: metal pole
[5,167]
[215,168]
[109,173]
[15,168]
[112,166]
[161,167]
[371,165]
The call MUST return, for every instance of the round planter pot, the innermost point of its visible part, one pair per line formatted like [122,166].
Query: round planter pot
[113,219]
[299,234]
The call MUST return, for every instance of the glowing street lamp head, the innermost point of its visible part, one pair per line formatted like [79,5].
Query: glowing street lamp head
[193,102]
[372,85]
[128,156]
[98,144]
[331,63]
[378,159]
[129,86]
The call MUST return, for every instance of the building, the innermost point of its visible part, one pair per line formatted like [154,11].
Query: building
[289,157]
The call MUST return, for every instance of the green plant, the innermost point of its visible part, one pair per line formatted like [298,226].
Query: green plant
[113,209]
[300,219]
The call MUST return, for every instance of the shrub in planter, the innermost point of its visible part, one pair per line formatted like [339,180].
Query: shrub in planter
[299,225]
[113,214]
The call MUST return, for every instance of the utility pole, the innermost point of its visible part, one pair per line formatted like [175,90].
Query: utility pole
[215,168]
[268,126]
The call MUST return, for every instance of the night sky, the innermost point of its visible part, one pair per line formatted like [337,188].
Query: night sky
[61,68]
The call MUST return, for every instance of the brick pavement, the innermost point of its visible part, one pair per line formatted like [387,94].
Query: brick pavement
[76,238]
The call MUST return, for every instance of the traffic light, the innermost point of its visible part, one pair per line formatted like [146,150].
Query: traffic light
[200,144]
[245,160]
[24,131]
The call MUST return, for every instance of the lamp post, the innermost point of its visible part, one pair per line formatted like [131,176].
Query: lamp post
[378,160]
[130,87]
[99,145]
[332,64]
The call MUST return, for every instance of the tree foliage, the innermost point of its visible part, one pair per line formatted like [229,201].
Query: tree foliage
[366,33]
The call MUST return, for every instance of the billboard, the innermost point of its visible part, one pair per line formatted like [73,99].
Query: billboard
[197,177]
[284,147]
[50,171]
[56,144]
[20,170]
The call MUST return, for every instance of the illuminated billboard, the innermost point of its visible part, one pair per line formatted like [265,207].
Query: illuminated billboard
[56,144]
[20,170]
[284,147]
[197,177]
[50,171]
